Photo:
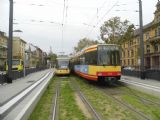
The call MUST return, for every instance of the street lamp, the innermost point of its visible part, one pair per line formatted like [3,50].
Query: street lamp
[142,72]
[17,31]
[9,45]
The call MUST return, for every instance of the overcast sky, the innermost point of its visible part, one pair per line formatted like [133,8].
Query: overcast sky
[41,20]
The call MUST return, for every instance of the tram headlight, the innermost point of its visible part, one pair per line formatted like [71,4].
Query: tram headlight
[99,74]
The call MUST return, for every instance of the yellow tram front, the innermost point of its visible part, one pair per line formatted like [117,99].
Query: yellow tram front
[62,66]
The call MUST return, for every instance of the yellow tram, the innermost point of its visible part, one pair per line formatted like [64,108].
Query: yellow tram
[62,65]
[17,65]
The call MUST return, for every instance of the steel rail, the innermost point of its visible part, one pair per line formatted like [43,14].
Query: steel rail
[54,114]
[144,117]
[91,109]
[135,94]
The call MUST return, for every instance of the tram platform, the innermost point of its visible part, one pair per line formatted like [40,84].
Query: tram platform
[22,95]
[148,86]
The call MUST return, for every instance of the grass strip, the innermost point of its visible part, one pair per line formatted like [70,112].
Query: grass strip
[135,99]
[134,92]
[43,109]
[109,109]
[68,109]
[146,107]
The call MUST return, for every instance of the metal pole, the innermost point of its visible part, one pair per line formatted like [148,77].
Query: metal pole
[9,51]
[142,75]
[24,66]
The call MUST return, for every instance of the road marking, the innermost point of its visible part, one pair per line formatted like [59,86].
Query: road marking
[23,111]
[151,87]
[14,100]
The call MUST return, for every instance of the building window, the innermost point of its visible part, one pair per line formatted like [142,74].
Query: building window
[155,33]
[128,62]
[138,40]
[156,47]
[132,53]
[148,48]
[132,62]
[147,36]
[148,51]
[159,31]
[128,53]
[158,18]
[124,54]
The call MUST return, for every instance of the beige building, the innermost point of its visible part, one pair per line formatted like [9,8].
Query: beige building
[131,49]
[35,57]
[31,56]
[18,48]
[44,58]
[39,56]
[3,49]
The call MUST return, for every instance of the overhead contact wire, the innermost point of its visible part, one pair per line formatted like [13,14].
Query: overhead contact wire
[103,17]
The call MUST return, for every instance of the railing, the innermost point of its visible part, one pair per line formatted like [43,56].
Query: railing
[20,74]
[149,73]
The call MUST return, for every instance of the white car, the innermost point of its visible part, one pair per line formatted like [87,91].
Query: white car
[128,68]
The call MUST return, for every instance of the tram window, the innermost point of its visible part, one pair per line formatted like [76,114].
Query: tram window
[77,60]
[82,60]
[108,55]
[91,58]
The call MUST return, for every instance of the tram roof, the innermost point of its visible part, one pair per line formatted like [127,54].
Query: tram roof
[92,48]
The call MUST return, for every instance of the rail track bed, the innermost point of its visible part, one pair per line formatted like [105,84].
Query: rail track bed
[91,109]
[112,95]
[75,98]
[141,105]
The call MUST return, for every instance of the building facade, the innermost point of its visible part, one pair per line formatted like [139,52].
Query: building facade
[3,49]
[39,55]
[31,56]
[18,48]
[44,59]
[131,49]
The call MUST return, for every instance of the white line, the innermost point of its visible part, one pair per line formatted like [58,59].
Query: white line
[14,100]
[23,111]
[154,88]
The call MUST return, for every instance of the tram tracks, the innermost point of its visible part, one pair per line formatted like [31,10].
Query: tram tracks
[55,101]
[69,92]
[90,108]
[115,94]
[137,113]
[132,93]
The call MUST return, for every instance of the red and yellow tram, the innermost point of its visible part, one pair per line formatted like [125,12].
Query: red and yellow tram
[98,63]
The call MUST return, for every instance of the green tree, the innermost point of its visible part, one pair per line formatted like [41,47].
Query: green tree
[52,57]
[115,31]
[128,35]
[84,43]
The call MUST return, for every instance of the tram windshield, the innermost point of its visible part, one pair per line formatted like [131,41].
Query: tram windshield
[63,64]
[15,62]
[108,55]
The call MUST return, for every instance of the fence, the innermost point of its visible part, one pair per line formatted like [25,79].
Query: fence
[149,74]
[18,74]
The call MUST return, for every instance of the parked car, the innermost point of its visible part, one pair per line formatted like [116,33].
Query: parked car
[129,68]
